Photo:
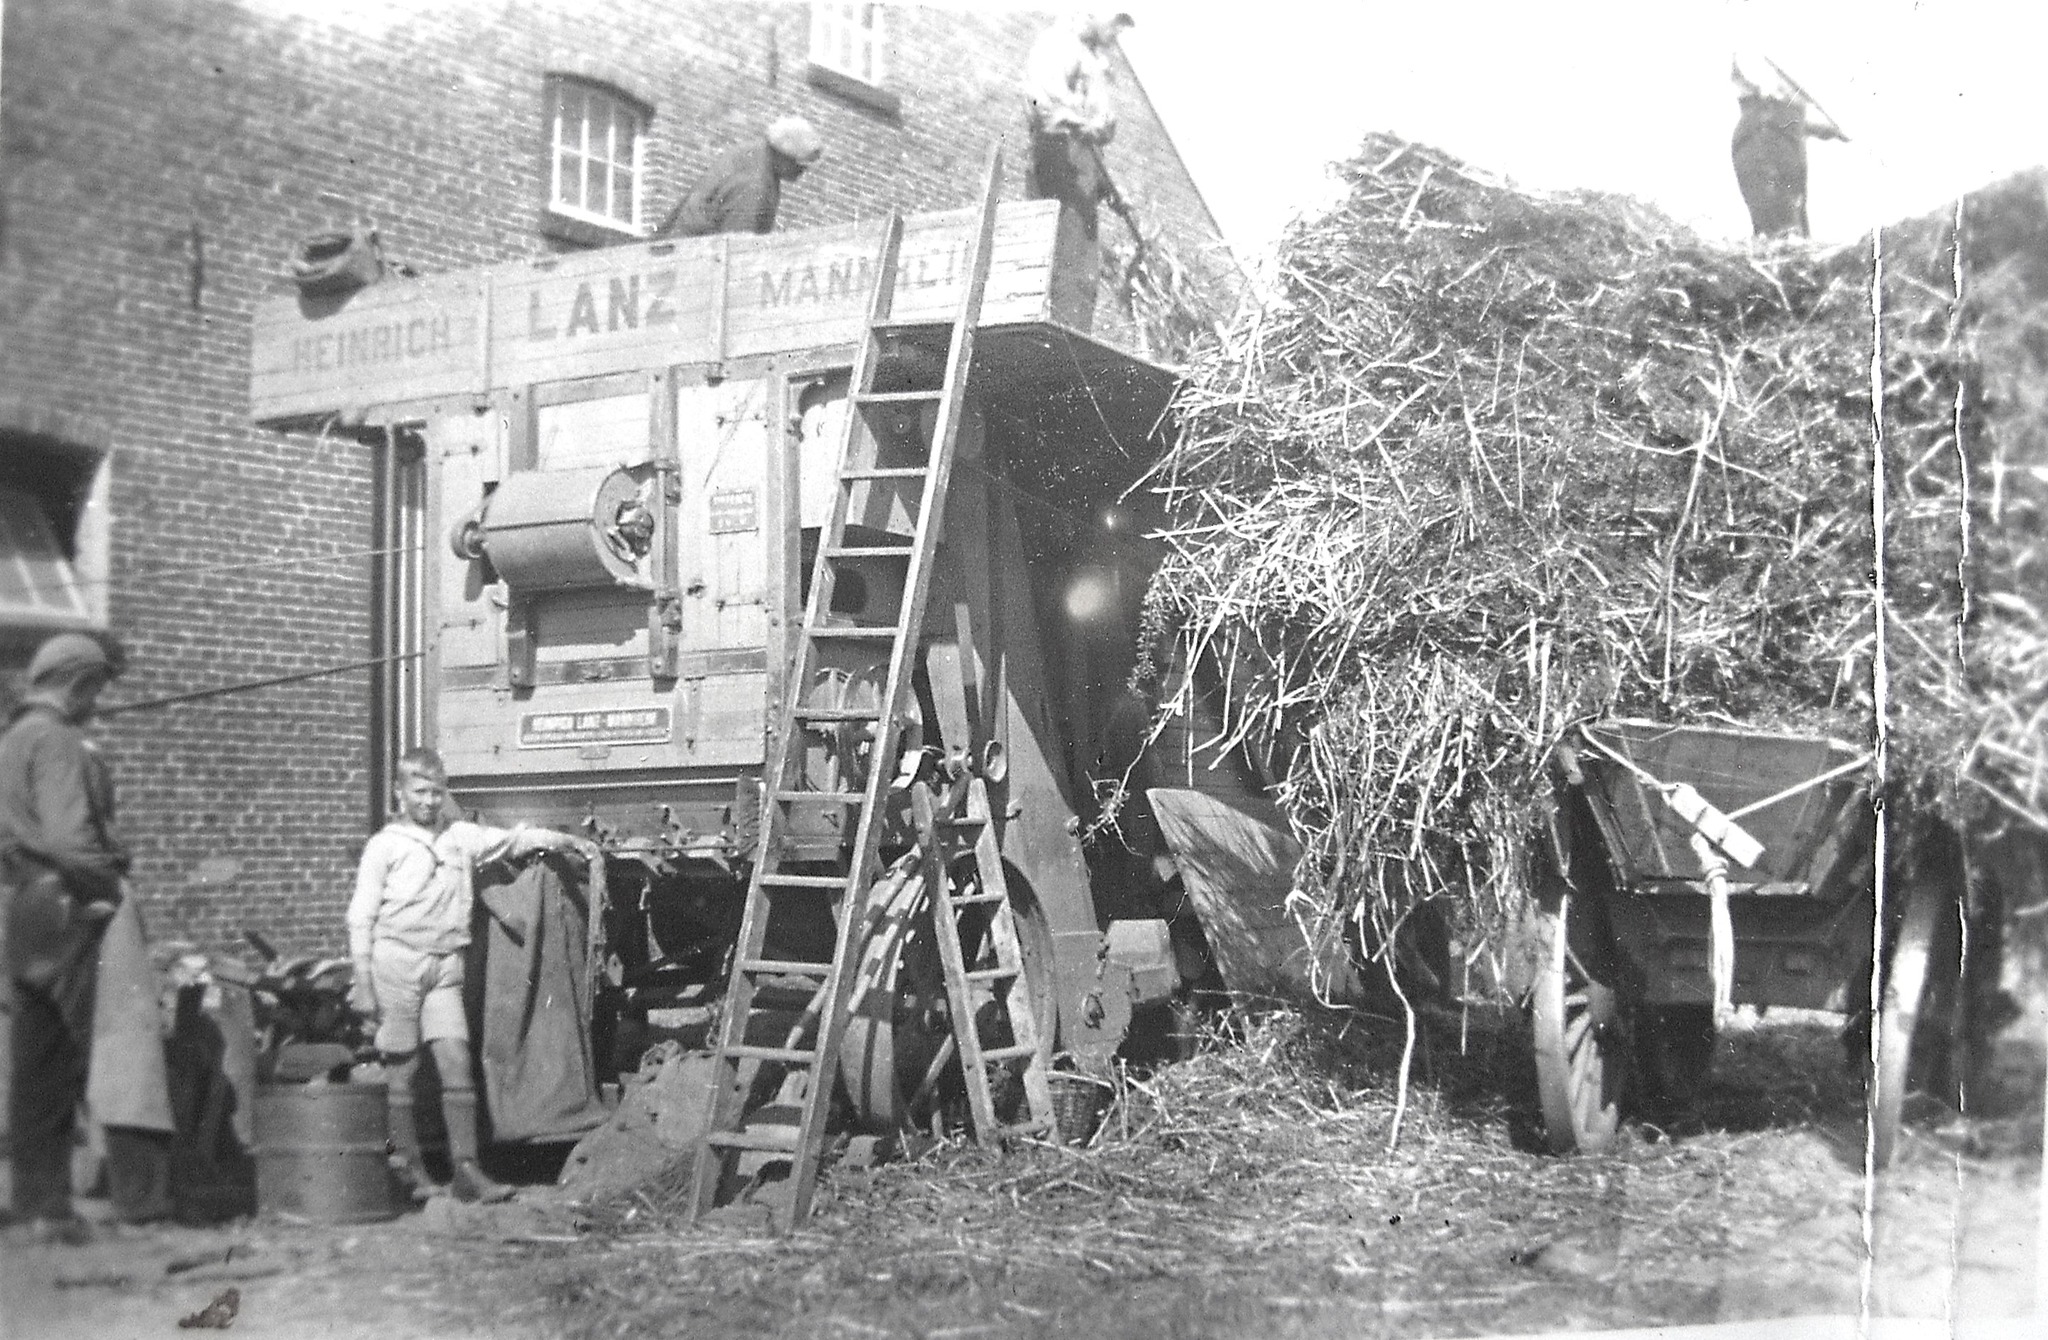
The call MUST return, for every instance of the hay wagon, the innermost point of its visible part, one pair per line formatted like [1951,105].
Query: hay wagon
[1623,943]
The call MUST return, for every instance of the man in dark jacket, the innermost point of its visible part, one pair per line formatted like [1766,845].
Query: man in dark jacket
[741,190]
[61,866]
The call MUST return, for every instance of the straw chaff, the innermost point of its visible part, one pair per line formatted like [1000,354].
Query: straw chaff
[1494,463]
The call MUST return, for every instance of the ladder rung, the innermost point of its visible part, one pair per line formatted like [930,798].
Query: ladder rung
[776,1139]
[969,899]
[960,823]
[903,550]
[1016,1053]
[831,797]
[911,328]
[828,883]
[837,714]
[885,472]
[980,975]
[897,397]
[786,967]
[747,1051]
[851,634]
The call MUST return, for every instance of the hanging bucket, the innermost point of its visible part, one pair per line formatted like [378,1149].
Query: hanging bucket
[320,1152]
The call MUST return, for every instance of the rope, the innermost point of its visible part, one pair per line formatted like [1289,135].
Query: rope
[265,565]
[1721,928]
[1802,788]
[247,686]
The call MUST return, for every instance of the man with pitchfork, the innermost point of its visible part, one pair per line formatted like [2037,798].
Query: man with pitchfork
[1067,85]
[1770,145]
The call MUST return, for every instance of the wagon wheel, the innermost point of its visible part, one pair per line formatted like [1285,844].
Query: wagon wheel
[1581,1057]
[901,1024]
[1916,1038]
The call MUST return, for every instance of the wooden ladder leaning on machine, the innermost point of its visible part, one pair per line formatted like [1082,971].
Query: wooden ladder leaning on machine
[758,1087]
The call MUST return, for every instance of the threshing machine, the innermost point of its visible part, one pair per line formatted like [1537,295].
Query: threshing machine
[684,584]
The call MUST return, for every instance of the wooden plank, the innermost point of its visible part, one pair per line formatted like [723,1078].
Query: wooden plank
[780,296]
[585,625]
[722,441]
[612,430]
[615,310]
[1237,863]
[461,457]
[411,340]
[713,721]
[625,308]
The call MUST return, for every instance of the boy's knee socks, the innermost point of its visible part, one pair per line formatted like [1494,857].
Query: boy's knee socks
[404,1127]
[458,1109]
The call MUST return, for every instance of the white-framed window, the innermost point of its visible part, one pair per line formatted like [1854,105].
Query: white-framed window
[851,39]
[37,584]
[597,139]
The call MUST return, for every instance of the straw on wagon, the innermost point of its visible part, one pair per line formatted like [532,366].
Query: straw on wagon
[1493,463]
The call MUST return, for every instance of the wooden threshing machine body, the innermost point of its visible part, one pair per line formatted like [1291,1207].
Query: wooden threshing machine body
[627,454]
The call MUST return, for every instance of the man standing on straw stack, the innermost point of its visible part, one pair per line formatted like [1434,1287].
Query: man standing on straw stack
[1770,145]
[1066,82]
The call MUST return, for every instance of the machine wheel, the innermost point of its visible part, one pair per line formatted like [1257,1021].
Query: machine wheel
[1917,1043]
[1581,1059]
[1675,1051]
[902,1020]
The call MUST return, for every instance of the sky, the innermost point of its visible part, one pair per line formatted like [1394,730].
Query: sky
[1937,97]
[1633,96]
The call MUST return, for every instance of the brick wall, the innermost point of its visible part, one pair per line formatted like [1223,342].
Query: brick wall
[162,159]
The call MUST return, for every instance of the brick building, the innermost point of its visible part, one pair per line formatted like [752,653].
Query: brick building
[164,159]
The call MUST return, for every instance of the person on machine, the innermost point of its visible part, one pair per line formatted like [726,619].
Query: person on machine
[742,189]
[1071,117]
[408,928]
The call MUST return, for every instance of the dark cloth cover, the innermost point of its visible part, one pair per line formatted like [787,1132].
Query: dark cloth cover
[528,1006]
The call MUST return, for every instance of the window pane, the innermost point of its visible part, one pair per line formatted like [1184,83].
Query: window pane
[597,138]
[565,177]
[34,578]
[601,127]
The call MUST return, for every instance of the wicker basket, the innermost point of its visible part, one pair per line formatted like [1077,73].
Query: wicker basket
[1078,1102]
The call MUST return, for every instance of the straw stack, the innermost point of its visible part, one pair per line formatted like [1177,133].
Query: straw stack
[1493,463]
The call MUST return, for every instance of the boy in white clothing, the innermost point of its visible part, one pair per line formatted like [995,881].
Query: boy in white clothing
[408,926]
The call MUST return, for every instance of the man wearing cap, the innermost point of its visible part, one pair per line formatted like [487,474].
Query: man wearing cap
[1071,116]
[740,191]
[61,869]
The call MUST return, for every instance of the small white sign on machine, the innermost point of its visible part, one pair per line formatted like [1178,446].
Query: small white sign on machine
[621,725]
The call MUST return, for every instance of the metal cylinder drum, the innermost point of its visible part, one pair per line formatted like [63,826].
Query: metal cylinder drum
[320,1152]
[555,530]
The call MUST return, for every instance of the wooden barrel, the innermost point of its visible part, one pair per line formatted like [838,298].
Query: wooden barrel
[320,1152]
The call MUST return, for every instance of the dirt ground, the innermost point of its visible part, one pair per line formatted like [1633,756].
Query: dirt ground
[1249,1190]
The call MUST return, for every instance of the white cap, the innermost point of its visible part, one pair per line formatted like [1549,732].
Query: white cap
[793,138]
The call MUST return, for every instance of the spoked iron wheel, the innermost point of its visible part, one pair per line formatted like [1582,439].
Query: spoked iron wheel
[1918,1045]
[898,1060]
[1581,1057]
